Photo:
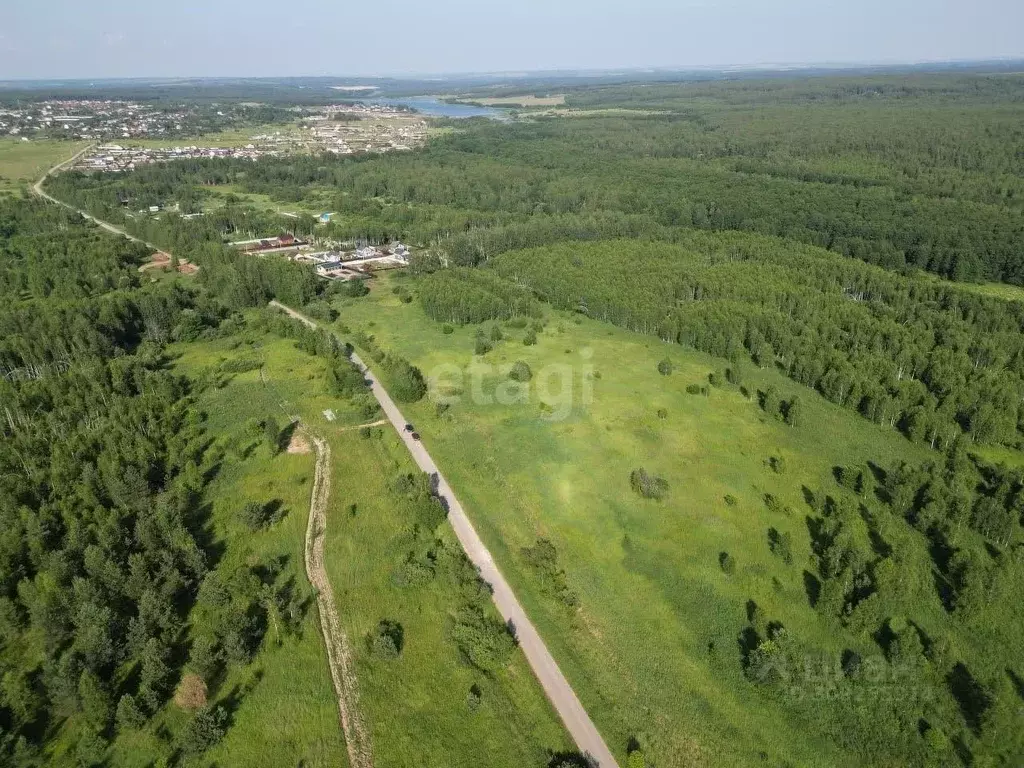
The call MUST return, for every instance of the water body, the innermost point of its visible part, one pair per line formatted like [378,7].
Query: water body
[437,108]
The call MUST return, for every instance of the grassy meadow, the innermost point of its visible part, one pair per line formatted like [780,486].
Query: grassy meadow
[652,646]
[24,162]
[283,706]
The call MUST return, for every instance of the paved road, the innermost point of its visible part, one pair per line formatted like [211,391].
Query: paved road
[557,688]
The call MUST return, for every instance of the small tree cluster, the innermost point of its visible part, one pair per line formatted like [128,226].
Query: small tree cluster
[648,486]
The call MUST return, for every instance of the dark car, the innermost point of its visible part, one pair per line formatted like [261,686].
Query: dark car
[415,435]
[409,428]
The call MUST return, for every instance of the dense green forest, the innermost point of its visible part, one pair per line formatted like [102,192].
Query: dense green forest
[923,174]
[787,225]
[104,463]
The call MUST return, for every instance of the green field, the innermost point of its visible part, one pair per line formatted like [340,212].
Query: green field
[24,162]
[651,594]
[415,706]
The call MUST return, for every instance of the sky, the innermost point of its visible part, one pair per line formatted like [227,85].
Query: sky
[231,38]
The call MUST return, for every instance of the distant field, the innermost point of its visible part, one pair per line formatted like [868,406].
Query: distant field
[25,161]
[528,100]
[238,137]
[652,596]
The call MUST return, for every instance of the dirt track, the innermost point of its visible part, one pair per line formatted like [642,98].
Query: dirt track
[339,653]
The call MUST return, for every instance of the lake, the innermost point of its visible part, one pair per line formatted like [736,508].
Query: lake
[437,108]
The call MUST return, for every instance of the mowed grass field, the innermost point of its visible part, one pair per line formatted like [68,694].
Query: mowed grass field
[652,648]
[24,162]
[415,706]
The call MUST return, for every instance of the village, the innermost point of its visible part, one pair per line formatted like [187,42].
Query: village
[102,120]
[342,263]
[338,129]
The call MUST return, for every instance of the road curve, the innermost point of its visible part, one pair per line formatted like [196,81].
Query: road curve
[557,688]
[38,191]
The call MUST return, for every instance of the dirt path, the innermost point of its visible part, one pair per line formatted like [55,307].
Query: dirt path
[559,692]
[339,653]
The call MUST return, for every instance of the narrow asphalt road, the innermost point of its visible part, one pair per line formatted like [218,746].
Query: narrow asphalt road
[557,688]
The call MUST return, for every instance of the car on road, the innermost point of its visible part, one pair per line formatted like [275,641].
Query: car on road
[409,428]
[415,435]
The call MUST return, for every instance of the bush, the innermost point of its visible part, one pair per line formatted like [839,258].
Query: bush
[727,563]
[447,329]
[474,697]
[662,413]
[253,515]
[190,694]
[520,372]
[405,382]
[665,367]
[648,486]
[205,729]
[496,334]
[715,379]
[355,289]
[693,389]
[129,714]
[387,640]
[730,500]
[482,346]
[781,545]
[530,338]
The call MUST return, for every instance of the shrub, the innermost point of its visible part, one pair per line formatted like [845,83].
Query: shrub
[648,486]
[715,379]
[387,640]
[662,413]
[405,382]
[482,346]
[190,694]
[129,714]
[730,500]
[474,697]
[665,367]
[254,515]
[355,288]
[727,563]
[781,545]
[734,375]
[530,338]
[204,730]
[794,412]
[447,329]
[483,642]
[520,372]
[693,389]
[496,334]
